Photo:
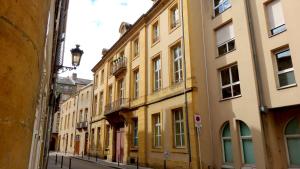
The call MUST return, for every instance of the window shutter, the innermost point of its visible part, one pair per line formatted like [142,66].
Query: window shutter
[275,14]
[225,33]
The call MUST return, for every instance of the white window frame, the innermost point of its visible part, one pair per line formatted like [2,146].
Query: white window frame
[101,102]
[135,132]
[241,143]
[177,60]
[175,16]
[156,70]
[286,145]
[157,125]
[155,32]
[284,71]
[222,140]
[121,85]
[136,47]
[227,47]
[231,84]
[179,122]
[221,3]
[136,83]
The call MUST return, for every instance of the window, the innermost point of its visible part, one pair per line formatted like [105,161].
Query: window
[111,66]
[177,63]
[102,76]
[98,137]
[73,119]
[107,136]
[86,114]
[136,47]
[155,32]
[101,103]
[225,39]
[68,121]
[110,94]
[174,14]
[275,17]
[135,132]
[80,116]
[230,82]
[292,139]
[246,144]
[156,130]
[220,6]
[227,145]
[93,138]
[71,140]
[178,128]
[95,105]
[157,74]
[96,81]
[121,85]
[136,76]
[285,70]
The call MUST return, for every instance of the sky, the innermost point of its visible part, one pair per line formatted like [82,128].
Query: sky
[94,24]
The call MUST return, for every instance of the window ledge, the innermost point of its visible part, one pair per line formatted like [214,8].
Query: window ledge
[287,86]
[270,36]
[248,166]
[215,16]
[174,28]
[226,53]
[154,43]
[226,166]
[230,98]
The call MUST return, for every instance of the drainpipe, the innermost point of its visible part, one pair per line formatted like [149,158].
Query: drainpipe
[185,88]
[262,107]
[206,78]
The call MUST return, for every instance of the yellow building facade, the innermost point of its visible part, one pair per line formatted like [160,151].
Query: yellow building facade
[74,122]
[143,94]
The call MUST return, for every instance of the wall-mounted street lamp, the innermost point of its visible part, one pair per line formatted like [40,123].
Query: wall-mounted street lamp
[76,58]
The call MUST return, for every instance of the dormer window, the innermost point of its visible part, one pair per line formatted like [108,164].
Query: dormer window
[124,27]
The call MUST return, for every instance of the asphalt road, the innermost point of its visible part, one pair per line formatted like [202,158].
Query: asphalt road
[75,164]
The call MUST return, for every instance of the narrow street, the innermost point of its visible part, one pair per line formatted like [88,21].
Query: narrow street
[75,164]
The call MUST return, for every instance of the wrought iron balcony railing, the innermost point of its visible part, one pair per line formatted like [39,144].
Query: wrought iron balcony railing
[118,105]
[82,125]
[119,65]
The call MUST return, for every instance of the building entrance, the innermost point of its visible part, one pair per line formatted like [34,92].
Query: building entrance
[120,144]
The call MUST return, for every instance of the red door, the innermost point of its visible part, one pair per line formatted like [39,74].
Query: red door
[120,145]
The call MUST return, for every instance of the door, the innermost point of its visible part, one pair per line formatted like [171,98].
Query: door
[86,143]
[120,145]
[77,144]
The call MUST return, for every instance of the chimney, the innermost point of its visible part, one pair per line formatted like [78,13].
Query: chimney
[74,76]
[104,51]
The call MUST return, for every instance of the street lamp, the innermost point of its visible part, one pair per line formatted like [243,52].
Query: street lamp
[76,55]
[76,58]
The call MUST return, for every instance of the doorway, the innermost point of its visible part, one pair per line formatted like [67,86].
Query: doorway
[120,144]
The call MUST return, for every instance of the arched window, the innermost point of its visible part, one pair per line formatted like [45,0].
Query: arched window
[227,145]
[292,137]
[246,144]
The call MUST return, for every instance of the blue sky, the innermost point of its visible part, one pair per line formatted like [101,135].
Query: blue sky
[94,24]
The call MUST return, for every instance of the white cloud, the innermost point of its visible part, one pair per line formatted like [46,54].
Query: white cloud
[94,24]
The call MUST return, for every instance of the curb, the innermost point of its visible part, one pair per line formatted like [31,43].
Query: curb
[78,158]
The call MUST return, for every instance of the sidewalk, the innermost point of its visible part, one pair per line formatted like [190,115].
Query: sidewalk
[100,161]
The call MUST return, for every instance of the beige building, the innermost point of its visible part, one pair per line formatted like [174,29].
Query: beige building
[74,122]
[250,51]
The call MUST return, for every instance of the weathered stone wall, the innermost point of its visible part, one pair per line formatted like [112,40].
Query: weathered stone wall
[22,37]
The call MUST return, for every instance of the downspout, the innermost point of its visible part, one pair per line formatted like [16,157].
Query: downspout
[206,78]
[262,106]
[185,88]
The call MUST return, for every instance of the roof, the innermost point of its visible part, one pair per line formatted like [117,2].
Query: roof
[70,81]
[131,27]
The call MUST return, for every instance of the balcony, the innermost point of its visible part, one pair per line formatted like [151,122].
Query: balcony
[119,66]
[118,105]
[82,125]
